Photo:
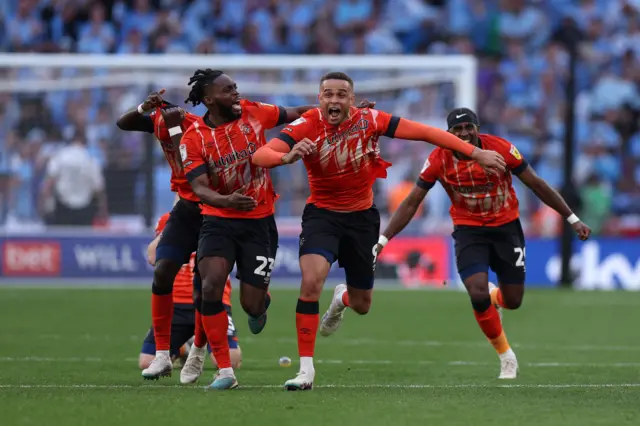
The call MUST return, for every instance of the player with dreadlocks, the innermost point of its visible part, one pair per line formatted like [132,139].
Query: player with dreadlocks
[173,319]
[237,199]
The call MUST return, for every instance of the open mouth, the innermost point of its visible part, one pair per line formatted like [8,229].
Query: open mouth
[236,108]
[334,112]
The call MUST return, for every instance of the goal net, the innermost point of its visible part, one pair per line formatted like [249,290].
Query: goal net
[47,99]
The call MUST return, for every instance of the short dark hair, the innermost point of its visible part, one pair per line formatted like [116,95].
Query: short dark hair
[337,75]
[200,79]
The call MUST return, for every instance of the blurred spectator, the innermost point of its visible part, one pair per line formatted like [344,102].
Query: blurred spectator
[73,193]
[521,96]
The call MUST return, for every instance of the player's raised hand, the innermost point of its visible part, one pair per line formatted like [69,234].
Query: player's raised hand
[582,230]
[301,149]
[172,116]
[365,103]
[154,100]
[489,160]
[238,201]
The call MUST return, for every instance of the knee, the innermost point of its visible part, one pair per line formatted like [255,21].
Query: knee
[511,301]
[312,284]
[252,306]
[213,286]
[360,304]
[163,275]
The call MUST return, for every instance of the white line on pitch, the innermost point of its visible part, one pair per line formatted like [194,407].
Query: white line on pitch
[360,342]
[346,362]
[363,386]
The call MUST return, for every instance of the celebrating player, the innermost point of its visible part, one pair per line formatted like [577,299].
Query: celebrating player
[238,204]
[180,237]
[339,146]
[184,325]
[487,230]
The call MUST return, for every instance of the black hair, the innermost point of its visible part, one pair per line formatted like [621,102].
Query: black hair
[199,80]
[336,75]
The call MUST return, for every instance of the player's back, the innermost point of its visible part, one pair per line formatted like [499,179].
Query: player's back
[347,158]
[171,152]
[478,198]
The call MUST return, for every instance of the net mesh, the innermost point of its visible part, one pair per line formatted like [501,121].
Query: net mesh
[42,107]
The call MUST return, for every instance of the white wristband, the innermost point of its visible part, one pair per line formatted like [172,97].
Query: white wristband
[175,131]
[382,240]
[140,110]
[573,219]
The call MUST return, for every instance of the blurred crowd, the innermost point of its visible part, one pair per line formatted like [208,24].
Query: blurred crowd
[523,69]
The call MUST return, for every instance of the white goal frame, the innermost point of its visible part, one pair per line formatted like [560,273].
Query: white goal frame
[461,70]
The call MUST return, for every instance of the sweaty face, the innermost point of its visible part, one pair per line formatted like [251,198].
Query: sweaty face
[223,94]
[466,131]
[336,97]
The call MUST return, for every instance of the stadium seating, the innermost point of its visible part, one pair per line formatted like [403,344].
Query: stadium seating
[520,80]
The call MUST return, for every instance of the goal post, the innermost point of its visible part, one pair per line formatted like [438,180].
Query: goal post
[125,70]
[51,98]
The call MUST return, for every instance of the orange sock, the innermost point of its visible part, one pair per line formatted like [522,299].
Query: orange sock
[345,299]
[216,328]
[489,322]
[200,337]
[307,321]
[161,317]
[496,298]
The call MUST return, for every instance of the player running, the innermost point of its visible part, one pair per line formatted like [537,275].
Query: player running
[180,236]
[339,146]
[487,230]
[184,325]
[238,204]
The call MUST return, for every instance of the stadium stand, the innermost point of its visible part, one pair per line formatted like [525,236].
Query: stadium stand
[520,80]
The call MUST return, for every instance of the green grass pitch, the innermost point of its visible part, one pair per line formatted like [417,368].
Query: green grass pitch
[68,357]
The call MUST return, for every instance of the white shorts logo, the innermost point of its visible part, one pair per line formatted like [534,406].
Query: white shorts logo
[183,152]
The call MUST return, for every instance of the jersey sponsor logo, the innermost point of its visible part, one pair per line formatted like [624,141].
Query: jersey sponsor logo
[516,154]
[474,189]
[298,122]
[352,131]
[234,156]
[183,152]
[28,258]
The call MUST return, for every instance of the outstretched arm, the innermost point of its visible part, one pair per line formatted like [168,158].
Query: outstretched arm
[553,199]
[271,154]
[412,130]
[489,160]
